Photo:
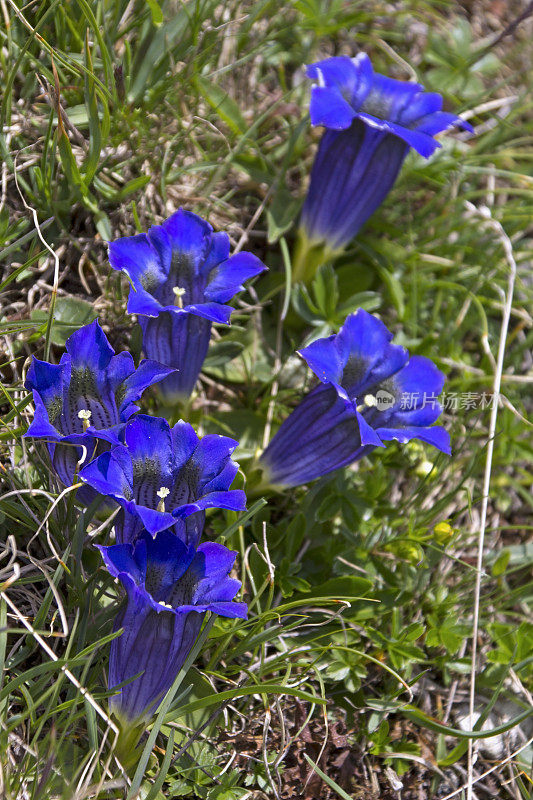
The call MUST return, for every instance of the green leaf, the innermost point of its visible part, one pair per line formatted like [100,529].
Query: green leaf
[281,214]
[330,782]
[344,587]
[95,132]
[501,563]
[244,691]
[155,11]
[70,314]
[223,104]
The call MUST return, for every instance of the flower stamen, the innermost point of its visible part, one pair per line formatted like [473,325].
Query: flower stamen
[369,401]
[162,493]
[179,292]
[85,415]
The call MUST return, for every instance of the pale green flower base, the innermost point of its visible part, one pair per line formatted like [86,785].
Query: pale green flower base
[308,256]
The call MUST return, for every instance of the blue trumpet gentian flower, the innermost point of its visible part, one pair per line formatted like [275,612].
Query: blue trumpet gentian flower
[371,123]
[86,399]
[165,477]
[182,277]
[371,391]
[170,587]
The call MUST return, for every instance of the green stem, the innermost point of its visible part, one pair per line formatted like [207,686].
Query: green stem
[308,257]
[127,750]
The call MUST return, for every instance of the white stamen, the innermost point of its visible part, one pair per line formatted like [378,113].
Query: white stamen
[370,401]
[179,292]
[162,493]
[166,605]
[85,415]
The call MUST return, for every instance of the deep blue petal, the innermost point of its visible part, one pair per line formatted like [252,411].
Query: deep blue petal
[234,500]
[423,144]
[149,444]
[147,373]
[211,454]
[136,256]
[223,479]
[188,235]
[319,436]
[437,436]
[184,443]
[215,312]
[110,475]
[120,368]
[46,381]
[373,392]
[368,435]
[436,123]
[324,358]
[181,342]
[153,520]
[89,348]
[339,71]
[118,559]
[213,561]
[40,427]
[420,104]
[219,252]
[329,108]
[353,172]
[419,377]
[167,600]
[142,302]
[228,278]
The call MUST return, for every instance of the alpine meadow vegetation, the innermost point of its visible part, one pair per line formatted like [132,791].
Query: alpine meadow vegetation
[266,369]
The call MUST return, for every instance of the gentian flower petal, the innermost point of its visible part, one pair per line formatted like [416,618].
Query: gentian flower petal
[170,587]
[165,478]
[358,356]
[138,258]
[147,373]
[86,399]
[46,382]
[371,123]
[341,72]
[371,392]
[436,436]
[182,277]
[228,277]
[329,108]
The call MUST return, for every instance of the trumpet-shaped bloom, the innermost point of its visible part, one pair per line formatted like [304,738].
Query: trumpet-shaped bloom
[371,123]
[86,399]
[371,391]
[182,277]
[169,587]
[165,477]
